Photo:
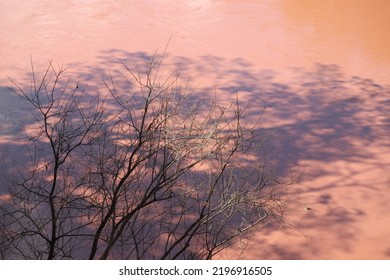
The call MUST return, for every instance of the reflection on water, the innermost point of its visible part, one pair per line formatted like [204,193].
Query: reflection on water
[320,67]
[271,34]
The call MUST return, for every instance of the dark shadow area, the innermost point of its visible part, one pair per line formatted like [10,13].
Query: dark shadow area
[14,117]
[320,115]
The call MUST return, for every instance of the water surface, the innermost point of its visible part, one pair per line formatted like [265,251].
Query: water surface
[320,67]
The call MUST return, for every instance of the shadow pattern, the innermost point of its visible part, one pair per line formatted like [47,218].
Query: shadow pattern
[320,115]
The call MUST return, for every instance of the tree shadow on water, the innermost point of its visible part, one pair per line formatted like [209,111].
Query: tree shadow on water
[320,115]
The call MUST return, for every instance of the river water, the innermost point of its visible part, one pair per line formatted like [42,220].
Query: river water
[320,68]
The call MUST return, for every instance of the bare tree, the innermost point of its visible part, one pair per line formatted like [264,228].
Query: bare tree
[46,209]
[148,172]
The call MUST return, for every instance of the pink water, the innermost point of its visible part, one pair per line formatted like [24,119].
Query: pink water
[320,67]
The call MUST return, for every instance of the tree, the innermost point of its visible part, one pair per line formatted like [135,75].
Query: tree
[146,172]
